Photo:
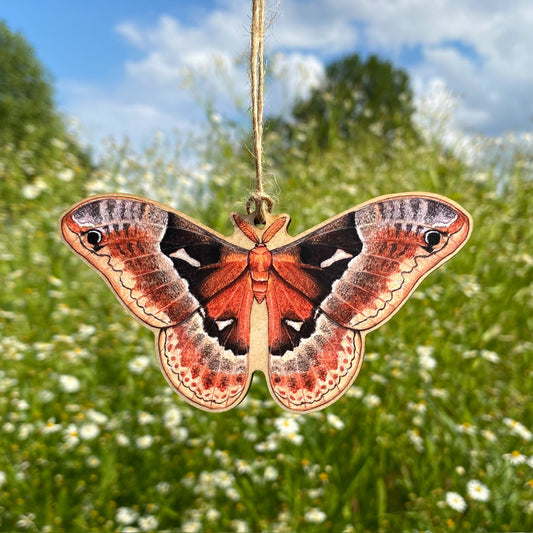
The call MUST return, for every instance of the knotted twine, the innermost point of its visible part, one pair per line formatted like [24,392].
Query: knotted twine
[262,202]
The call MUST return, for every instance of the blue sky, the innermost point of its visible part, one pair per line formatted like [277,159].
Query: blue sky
[133,67]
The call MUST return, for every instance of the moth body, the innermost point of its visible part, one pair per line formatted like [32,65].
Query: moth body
[259,263]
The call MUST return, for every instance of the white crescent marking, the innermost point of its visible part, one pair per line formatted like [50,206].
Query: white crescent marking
[221,324]
[337,256]
[184,256]
[294,325]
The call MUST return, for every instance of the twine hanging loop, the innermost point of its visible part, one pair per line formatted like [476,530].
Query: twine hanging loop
[262,202]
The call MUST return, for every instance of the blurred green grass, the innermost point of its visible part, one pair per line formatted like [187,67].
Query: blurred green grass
[93,439]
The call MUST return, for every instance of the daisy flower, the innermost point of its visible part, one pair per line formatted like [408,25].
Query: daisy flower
[126,516]
[515,457]
[456,502]
[315,516]
[69,383]
[335,421]
[286,425]
[89,431]
[518,429]
[478,491]
[144,441]
[139,364]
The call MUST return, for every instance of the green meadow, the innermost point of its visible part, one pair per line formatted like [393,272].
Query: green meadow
[435,434]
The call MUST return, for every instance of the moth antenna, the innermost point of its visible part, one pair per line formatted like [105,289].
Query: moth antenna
[273,229]
[246,228]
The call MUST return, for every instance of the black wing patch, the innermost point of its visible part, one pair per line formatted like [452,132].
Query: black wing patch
[324,254]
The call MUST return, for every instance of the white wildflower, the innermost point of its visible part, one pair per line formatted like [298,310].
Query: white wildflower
[335,421]
[126,516]
[30,191]
[378,378]
[143,442]
[286,424]
[21,405]
[478,491]
[240,526]
[295,438]
[223,479]
[270,473]
[58,143]
[467,428]
[315,516]
[148,523]
[355,392]
[172,417]
[515,458]
[439,393]
[25,521]
[71,436]
[92,461]
[491,356]
[46,396]
[191,526]
[416,439]
[233,494]
[86,330]
[25,430]
[179,434]
[456,501]
[8,427]
[96,416]
[89,431]
[315,493]
[69,383]
[372,400]
[122,440]
[145,418]
[417,407]
[518,429]
[139,364]
[163,487]
[212,515]
[489,435]
[242,467]
[66,174]
[425,359]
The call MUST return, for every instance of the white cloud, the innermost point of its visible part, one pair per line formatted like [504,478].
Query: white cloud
[313,25]
[480,49]
[296,75]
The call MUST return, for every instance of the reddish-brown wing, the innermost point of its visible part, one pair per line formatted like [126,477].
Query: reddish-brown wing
[312,358]
[177,277]
[347,276]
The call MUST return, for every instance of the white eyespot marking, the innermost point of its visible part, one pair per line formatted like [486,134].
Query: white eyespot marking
[184,256]
[337,256]
[221,324]
[293,324]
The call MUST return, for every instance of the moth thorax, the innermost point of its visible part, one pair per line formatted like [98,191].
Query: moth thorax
[259,260]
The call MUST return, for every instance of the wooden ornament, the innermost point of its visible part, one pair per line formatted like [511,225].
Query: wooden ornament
[296,308]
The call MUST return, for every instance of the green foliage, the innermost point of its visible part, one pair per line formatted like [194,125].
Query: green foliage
[92,438]
[358,98]
[26,101]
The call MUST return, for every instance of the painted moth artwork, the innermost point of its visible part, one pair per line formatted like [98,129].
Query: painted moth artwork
[296,308]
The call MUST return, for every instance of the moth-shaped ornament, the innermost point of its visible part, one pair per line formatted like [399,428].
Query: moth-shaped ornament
[296,308]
